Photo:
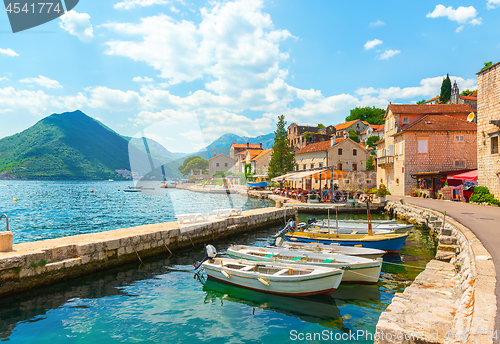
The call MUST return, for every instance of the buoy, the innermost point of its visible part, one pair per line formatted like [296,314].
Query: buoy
[14,199]
[91,191]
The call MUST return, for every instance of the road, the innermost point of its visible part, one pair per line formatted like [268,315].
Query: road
[483,221]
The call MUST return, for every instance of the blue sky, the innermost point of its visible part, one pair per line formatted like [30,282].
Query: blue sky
[234,66]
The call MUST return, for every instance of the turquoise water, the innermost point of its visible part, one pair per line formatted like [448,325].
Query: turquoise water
[52,209]
[162,301]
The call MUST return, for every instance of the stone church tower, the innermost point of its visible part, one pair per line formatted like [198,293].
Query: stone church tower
[455,94]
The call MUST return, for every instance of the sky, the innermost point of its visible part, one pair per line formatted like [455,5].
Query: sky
[178,69]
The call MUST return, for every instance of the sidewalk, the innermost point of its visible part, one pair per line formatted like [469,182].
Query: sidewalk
[483,221]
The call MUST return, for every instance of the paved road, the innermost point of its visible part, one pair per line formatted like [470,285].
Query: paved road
[483,221]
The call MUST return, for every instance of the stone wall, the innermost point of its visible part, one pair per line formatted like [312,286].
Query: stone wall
[453,300]
[488,93]
[43,262]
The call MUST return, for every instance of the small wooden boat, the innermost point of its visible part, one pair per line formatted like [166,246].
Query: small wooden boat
[346,231]
[360,227]
[273,277]
[386,242]
[132,189]
[356,269]
[322,248]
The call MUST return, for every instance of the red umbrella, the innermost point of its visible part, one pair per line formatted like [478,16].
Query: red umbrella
[471,175]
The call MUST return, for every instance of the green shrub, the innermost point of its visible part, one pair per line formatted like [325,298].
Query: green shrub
[382,191]
[482,195]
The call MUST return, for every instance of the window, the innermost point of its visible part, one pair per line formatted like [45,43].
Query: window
[354,167]
[312,165]
[368,181]
[354,152]
[459,163]
[304,166]
[217,164]
[391,123]
[397,181]
[494,145]
[346,181]
[400,149]
[296,167]
[320,164]
[459,138]
[405,120]
[225,164]
[340,151]
[422,146]
[339,166]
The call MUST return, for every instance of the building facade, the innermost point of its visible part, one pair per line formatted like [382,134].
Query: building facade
[357,125]
[488,129]
[237,148]
[424,138]
[260,162]
[300,135]
[221,162]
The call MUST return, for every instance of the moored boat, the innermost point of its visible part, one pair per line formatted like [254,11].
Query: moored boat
[362,227]
[387,242]
[356,269]
[322,248]
[273,277]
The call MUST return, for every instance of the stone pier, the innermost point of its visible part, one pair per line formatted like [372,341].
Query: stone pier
[38,263]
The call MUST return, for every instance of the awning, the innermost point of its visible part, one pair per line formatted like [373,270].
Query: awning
[277,179]
[260,176]
[327,174]
[304,174]
[471,175]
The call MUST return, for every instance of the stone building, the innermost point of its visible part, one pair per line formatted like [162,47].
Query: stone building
[372,130]
[488,128]
[260,162]
[456,98]
[237,148]
[300,135]
[220,162]
[419,139]
[357,125]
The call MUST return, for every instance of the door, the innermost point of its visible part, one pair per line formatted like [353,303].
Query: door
[308,184]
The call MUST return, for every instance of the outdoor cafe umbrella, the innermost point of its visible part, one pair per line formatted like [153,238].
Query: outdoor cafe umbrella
[471,175]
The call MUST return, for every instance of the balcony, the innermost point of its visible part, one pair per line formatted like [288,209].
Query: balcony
[385,161]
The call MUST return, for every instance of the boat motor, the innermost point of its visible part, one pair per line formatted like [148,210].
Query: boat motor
[210,253]
[311,220]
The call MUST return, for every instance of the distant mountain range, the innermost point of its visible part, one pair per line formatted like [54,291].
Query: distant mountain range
[74,146]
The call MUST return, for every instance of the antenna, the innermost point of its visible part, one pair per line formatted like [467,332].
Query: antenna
[471,117]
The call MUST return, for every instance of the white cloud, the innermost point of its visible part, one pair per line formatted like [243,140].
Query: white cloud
[373,43]
[42,81]
[78,24]
[493,4]
[4,78]
[8,52]
[388,53]
[377,23]
[114,100]
[130,4]
[461,15]
[143,80]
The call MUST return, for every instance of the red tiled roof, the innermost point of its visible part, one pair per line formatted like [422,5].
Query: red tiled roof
[430,100]
[473,94]
[244,145]
[440,123]
[261,154]
[377,127]
[315,147]
[468,97]
[430,108]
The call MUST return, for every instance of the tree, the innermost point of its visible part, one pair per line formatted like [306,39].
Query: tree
[282,158]
[353,136]
[487,65]
[321,125]
[369,164]
[193,162]
[371,115]
[445,90]
[370,142]
[467,92]
[421,101]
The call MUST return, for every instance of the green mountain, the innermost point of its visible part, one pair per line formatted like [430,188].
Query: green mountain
[69,146]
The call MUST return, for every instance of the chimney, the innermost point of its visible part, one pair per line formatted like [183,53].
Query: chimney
[214,154]
[260,144]
[248,144]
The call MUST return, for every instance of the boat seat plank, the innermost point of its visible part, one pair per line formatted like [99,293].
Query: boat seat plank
[281,272]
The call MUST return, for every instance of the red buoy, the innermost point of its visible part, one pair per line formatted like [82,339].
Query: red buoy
[92,191]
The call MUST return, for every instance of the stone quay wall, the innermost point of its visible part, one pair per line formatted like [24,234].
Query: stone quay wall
[33,264]
[453,300]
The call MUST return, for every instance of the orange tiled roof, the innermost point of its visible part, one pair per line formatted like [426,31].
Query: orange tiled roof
[430,108]
[473,94]
[261,154]
[345,125]
[315,147]
[244,145]
[469,97]
[377,127]
[440,123]
[430,100]
[253,152]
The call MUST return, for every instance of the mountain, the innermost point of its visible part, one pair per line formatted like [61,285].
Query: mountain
[71,146]
[222,144]
[155,148]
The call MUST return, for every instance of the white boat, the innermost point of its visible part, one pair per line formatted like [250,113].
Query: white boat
[363,252]
[356,269]
[362,227]
[274,277]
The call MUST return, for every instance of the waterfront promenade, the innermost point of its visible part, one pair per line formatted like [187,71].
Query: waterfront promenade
[483,221]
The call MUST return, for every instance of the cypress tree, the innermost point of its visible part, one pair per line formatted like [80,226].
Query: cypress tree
[445,90]
[282,158]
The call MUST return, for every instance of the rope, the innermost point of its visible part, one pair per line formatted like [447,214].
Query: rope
[407,266]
